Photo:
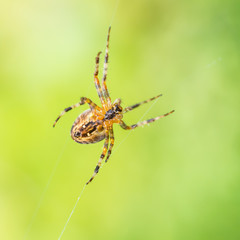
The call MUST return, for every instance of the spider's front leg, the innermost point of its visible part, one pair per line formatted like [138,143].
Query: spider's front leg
[83,100]
[105,148]
[96,80]
[124,126]
[105,69]
[130,108]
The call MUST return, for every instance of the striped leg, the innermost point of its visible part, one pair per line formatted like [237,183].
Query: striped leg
[96,80]
[104,86]
[130,108]
[83,100]
[105,148]
[124,126]
[111,144]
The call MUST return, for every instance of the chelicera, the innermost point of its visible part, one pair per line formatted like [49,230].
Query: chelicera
[96,123]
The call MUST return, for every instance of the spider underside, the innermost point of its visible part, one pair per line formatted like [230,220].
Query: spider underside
[96,123]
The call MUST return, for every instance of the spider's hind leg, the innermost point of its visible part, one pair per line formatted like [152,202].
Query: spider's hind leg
[105,148]
[111,144]
[124,126]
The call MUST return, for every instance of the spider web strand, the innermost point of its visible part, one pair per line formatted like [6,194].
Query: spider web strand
[45,190]
[80,195]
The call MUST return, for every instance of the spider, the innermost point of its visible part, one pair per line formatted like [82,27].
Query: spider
[96,123]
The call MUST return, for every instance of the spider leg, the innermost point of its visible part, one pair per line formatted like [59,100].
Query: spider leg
[96,80]
[124,126]
[105,148]
[83,100]
[130,108]
[111,144]
[104,86]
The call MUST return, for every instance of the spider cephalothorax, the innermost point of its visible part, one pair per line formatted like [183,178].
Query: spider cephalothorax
[115,112]
[96,123]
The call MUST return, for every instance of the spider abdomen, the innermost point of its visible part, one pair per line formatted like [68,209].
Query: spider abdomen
[86,129]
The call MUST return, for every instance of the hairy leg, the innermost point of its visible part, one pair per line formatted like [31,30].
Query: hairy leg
[96,80]
[105,148]
[130,108]
[124,126]
[111,144]
[83,100]
[104,85]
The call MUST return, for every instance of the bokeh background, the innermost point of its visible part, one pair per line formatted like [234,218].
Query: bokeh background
[177,178]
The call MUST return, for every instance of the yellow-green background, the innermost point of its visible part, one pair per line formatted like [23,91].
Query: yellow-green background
[175,179]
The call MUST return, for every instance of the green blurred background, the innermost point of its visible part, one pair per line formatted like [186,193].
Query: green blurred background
[177,178]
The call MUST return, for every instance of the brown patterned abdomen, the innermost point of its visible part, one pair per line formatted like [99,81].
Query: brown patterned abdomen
[86,129]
